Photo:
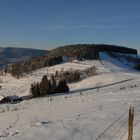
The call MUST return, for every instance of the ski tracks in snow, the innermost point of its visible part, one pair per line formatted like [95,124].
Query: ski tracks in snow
[10,130]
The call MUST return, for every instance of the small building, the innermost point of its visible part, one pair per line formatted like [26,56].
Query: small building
[14,99]
[10,99]
[4,99]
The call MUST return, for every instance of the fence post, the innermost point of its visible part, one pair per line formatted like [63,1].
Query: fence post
[130,123]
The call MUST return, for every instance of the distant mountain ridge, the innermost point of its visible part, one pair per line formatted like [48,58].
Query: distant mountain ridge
[10,55]
[89,51]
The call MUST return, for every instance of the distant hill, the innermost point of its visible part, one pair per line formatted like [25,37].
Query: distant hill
[89,51]
[69,52]
[10,55]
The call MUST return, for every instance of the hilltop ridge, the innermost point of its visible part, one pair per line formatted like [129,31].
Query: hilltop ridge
[70,52]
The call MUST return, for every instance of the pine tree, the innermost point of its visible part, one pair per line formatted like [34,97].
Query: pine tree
[43,85]
[56,74]
[38,89]
[49,87]
[53,81]
[62,87]
[33,90]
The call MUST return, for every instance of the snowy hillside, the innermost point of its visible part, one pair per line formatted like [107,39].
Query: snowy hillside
[95,109]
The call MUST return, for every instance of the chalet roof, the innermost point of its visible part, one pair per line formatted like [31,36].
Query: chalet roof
[1,97]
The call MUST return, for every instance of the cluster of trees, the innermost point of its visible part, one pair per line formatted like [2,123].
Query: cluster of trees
[17,70]
[71,75]
[48,86]
[90,71]
[58,82]
[129,58]
[89,51]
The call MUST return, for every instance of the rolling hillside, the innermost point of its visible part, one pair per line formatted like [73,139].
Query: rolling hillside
[96,108]
[69,52]
[12,55]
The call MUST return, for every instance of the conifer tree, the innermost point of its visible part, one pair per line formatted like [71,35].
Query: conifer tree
[53,81]
[43,87]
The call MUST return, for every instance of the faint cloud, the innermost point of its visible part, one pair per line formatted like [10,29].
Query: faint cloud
[80,26]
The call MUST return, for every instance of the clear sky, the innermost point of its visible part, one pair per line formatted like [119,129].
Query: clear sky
[46,24]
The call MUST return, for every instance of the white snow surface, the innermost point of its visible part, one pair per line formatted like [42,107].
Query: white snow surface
[86,113]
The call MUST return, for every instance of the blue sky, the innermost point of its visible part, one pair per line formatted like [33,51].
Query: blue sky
[46,24]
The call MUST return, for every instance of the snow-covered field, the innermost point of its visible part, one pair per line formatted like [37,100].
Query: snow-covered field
[86,113]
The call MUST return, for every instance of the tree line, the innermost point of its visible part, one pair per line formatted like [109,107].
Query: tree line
[19,69]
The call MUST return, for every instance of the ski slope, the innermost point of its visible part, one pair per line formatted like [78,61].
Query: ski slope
[86,113]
